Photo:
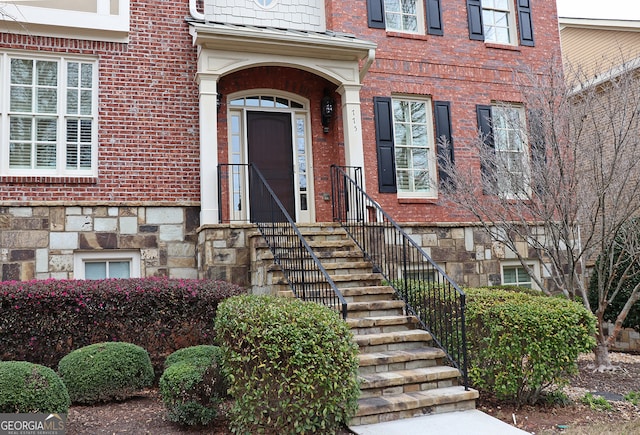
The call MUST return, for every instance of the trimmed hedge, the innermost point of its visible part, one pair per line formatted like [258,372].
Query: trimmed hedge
[193,386]
[42,321]
[27,388]
[521,344]
[293,365]
[103,372]
[204,351]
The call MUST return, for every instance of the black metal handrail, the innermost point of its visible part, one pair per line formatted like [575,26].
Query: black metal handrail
[302,269]
[429,294]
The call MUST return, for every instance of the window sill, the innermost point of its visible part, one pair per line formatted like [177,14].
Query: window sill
[36,179]
[406,200]
[502,46]
[415,36]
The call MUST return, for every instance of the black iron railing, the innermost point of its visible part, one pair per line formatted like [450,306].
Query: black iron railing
[302,269]
[430,295]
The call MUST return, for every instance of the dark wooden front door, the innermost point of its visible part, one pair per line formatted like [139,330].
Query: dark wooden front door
[269,142]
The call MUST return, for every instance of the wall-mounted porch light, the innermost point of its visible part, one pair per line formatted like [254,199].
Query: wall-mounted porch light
[327,105]
[219,101]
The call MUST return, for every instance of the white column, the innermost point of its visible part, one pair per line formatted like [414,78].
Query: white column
[208,85]
[352,122]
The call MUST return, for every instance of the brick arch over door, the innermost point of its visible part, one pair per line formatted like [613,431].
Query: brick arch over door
[326,148]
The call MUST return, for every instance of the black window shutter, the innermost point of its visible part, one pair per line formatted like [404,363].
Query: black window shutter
[474,15]
[434,18]
[375,12]
[444,140]
[525,22]
[383,113]
[484,125]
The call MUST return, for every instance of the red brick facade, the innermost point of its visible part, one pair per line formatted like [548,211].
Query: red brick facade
[148,121]
[148,114]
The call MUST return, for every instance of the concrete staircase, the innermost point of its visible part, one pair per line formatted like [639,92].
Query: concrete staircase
[401,374]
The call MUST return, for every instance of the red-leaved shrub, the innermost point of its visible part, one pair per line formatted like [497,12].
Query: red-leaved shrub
[42,321]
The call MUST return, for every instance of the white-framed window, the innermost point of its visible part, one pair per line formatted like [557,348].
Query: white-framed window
[414,147]
[404,15]
[513,273]
[498,21]
[511,150]
[49,107]
[106,264]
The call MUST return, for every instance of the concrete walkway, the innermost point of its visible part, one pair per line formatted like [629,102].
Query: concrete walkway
[472,422]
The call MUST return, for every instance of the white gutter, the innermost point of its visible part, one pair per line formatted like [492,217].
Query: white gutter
[193,10]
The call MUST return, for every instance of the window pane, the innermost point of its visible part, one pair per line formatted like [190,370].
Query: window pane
[119,269]
[20,128]
[95,270]
[45,129]
[47,100]
[509,274]
[72,74]
[72,101]
[21,72]
[47,73]
[87,75]
[21,99]
[45,156]
[20,155]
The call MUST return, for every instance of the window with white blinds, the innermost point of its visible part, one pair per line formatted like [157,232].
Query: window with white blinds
[49,116]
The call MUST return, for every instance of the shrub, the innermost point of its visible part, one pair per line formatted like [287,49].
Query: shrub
[520,344]
[103,372]
[293,365]
[26,388]
[42,321]
[192,388]
[207,352]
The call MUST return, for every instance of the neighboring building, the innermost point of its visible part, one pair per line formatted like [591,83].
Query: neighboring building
[600,51]
[115,114]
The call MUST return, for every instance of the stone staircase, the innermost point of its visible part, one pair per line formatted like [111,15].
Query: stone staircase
[401,374]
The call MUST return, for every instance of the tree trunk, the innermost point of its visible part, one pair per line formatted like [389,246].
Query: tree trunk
[601,351]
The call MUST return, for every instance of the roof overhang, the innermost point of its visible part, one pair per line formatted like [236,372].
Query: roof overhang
[265,40]
[600,24]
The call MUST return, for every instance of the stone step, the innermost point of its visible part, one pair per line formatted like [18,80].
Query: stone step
[377,325]
[347,267]
[433,377]
[396,357]
[387,338]
[358,310]
[406,405]
[381,291]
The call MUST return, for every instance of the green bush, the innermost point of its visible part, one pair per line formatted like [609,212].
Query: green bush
[42,321]
[103,372]
[292,365]
[26,388]
[520,344]
[207,352]
[192,388]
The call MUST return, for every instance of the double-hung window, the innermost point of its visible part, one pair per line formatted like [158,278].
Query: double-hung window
[406,16]
[407,152]
[49,116]
[406,145]
[506,165]
[501,21]
[414,151]
[498,21]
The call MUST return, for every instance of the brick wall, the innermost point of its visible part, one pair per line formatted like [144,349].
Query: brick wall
[148,113]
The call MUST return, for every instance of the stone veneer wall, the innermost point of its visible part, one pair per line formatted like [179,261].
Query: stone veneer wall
[628,339]
[465,252]
[224,252]
[39,242]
